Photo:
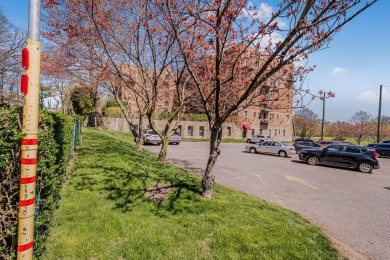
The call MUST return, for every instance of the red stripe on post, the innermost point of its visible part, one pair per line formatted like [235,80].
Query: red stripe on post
[25,247]
[28,180]
[24,203]
[29,141]
[29,161]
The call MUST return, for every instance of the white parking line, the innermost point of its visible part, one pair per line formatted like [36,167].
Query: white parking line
[269,189]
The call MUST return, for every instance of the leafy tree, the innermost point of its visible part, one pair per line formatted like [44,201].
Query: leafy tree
[362,125]
[220,35]
[228,50]
[305,122]
[12,41]
[342,130]
[82,99]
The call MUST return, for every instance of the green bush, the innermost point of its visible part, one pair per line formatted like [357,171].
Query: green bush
[195,117]
[57,138]
[112,112]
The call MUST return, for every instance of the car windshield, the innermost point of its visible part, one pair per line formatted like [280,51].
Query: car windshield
[152,133]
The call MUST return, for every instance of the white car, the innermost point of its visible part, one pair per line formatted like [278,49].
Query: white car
[151,137]
[258,139]
[271,147]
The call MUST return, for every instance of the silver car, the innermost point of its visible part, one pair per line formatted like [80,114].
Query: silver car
[175,138]
[151,137]
[271,147]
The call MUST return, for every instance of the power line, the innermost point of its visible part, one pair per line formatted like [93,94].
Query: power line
[344,91]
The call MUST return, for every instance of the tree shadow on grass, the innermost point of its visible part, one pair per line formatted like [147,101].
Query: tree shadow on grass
[113,167]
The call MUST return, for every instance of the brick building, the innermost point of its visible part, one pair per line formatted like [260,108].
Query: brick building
[269,111]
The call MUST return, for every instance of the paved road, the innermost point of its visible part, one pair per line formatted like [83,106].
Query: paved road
[352,208]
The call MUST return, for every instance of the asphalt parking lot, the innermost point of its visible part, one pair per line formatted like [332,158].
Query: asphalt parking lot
[351,207]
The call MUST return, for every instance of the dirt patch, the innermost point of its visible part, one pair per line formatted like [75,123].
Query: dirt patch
[158,191]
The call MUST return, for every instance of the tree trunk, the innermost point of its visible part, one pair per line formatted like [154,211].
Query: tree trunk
[164,149]
[139,137]
[208,180]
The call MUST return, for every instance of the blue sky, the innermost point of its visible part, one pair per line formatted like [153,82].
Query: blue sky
[356,63]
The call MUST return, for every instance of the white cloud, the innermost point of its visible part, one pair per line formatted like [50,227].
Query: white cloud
[338,70]
[274,37]
[263,12]
[371,96]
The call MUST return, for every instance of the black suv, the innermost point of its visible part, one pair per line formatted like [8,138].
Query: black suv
[357,157]
[382,149]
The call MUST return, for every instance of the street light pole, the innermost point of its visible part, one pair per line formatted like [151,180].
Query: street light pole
[379,115]
[323,117]
[31,60]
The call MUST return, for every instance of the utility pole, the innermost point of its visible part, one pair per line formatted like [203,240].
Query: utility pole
[379,115]
[31,56]
[323,117]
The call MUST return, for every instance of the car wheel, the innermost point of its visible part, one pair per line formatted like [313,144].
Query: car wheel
[282,154]
[252,150]
[365,167]
[378,155]
[313,160]
[248,141]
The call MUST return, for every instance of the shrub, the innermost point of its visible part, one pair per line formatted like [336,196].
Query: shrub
[58,135]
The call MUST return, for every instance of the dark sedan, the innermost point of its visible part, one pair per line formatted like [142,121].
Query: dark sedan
[352,156]
[305,145]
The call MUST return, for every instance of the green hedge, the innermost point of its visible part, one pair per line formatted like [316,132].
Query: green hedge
[58,135]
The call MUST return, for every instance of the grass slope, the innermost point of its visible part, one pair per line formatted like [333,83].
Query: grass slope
[104,214]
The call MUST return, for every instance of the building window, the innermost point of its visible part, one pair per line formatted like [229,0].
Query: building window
[254,114]
[284,132]
[201,131]
[253,132]
[277,116]
[166,103]
[279,131]
[271,117]
[246,114]
[288,108]
[190,131]
[287,119]
[269,132]
[276,132]
[229,131]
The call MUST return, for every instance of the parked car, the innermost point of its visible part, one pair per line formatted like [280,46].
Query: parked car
[382,149]
[151,137]
[258,139]
[385,142]
[271,147]
[175,138]
[342,142]
[303,139]
[305,145]
[324,143]
[357,157]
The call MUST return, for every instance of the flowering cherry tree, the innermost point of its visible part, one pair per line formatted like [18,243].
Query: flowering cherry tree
[223,34]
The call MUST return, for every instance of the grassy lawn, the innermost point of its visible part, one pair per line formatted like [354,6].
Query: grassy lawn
[351,140]
[104,213]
